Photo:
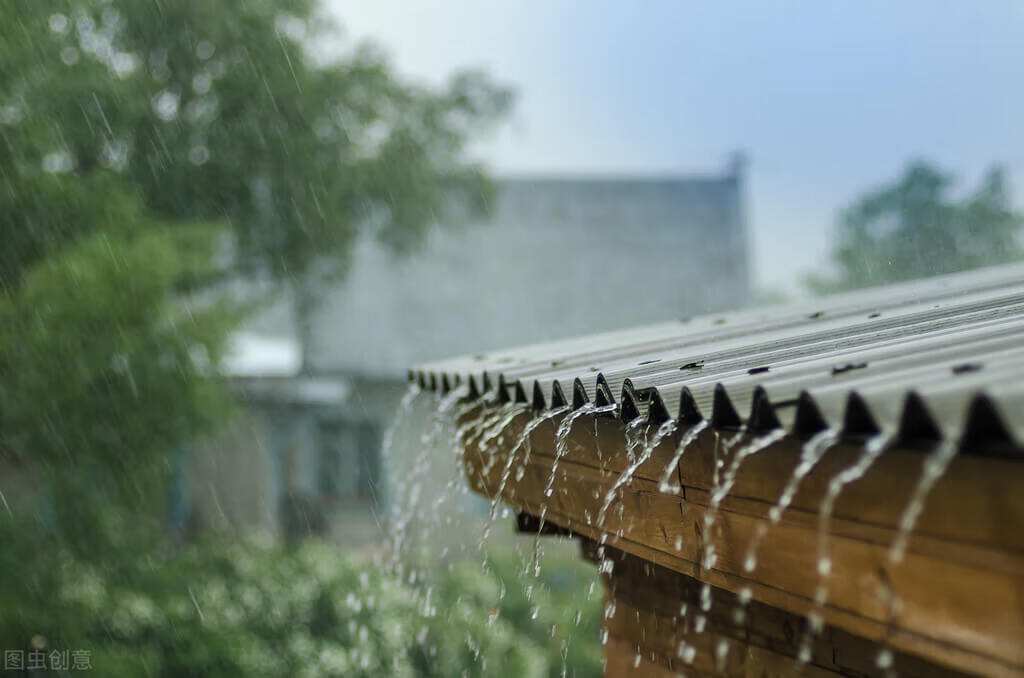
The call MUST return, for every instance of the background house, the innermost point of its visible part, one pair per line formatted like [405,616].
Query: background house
[625,251]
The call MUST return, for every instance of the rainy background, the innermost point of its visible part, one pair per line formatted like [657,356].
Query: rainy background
[230,228]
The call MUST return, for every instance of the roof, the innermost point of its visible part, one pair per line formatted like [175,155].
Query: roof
[934,359]
[506,280]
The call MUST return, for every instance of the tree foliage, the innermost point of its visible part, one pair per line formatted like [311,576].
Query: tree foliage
[914,228]
[148,151]
[152,148]
[243,608]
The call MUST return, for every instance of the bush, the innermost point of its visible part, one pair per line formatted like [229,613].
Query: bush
[246,608]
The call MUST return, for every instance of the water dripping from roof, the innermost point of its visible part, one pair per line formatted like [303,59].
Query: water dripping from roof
[810,454]
[687,439]
[561,449]
[870,453]
[721,488]
[666,429]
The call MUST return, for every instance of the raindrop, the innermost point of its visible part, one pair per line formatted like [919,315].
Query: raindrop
[124,64]
[69,55]
[198,155]
[59,24]
[204,50]
[165,105]
[56,163]
[84,23]
[323,129]
[201,83]
[11,114]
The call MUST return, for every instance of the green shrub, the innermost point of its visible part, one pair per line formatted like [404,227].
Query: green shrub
[246,608]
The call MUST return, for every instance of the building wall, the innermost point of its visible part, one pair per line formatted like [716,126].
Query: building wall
[231,478]
[559,258]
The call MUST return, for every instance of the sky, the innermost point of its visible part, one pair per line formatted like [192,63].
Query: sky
[827,99]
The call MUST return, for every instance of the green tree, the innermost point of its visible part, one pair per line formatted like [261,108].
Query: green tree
[228,112]
[149,151]
[914,228]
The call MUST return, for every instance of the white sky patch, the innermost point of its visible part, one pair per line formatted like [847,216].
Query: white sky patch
[828,100]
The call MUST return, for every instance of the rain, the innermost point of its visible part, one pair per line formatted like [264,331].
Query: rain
[560,340]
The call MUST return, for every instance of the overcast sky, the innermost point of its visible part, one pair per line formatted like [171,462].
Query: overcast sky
[827,98]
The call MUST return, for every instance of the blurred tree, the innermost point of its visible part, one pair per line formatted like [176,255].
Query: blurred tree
[148,152]
[232,112]
[915,229]
[153,149]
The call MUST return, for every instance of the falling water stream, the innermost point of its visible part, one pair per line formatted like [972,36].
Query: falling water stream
[688,438]
[524,438]
[487,431]
[493,430]
[561,449]
[401,414]
[810,454]
[666,429]
[934,467]
[873,449]
[720,491]
[721,488]
[408,487]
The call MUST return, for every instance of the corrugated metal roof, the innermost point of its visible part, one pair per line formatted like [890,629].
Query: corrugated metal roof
[926,360]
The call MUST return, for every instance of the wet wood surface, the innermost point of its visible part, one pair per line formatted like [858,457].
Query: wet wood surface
[956,599]
[649,635]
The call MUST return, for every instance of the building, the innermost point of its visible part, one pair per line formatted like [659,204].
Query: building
[559,257]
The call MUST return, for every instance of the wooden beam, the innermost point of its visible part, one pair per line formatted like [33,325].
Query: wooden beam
[960,585]
[651,633]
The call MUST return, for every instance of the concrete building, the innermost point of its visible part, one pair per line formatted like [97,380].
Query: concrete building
[559,257]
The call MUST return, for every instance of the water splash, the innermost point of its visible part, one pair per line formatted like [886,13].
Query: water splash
[688,438]
[811,453]
[634,437]
[666,429]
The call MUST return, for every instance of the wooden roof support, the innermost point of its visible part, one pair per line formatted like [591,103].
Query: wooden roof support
[960,583]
